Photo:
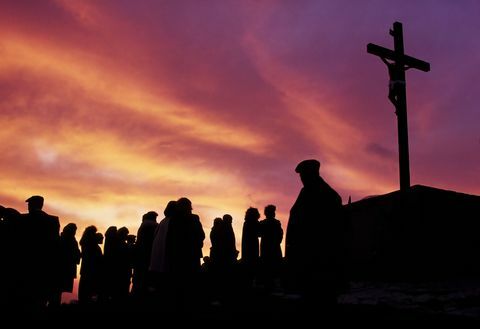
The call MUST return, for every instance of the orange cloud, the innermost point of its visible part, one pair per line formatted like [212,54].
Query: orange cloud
[118,90]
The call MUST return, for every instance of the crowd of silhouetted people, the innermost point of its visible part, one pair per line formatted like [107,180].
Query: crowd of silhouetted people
[162,263]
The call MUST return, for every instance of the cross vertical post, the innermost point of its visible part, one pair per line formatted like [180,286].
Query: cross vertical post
[397,63]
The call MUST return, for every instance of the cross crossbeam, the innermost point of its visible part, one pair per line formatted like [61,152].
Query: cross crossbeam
[409,61]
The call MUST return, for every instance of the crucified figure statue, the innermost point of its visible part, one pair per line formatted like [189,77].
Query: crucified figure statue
[395,81]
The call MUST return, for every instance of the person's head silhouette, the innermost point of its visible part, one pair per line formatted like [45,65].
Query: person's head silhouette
[252,215]
[227,219]
[35,203]
[309,170]
[150,216]
[69,230]
[170,208]
[270,211]
[217,221]
[184,206]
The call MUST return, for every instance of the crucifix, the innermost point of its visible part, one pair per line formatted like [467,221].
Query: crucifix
[397,63]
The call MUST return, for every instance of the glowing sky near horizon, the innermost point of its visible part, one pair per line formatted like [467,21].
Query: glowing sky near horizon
[110,109]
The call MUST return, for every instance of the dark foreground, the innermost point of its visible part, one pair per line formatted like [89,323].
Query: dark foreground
[385,305]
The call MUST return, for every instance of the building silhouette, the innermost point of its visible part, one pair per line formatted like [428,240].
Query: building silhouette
[424,233]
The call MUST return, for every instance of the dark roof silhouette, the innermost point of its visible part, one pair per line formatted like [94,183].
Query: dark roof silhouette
[424,233]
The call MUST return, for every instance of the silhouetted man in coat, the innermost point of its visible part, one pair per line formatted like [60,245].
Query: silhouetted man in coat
[313,237]
[41,253]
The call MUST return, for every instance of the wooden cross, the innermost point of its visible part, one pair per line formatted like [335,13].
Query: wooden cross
[397,63]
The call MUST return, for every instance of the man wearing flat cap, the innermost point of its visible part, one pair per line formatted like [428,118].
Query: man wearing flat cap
[313,237]
[42,237]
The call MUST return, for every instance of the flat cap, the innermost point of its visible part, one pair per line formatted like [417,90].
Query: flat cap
[35,198]
[310,165]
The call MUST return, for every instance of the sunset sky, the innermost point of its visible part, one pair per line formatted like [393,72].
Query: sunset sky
[110,109]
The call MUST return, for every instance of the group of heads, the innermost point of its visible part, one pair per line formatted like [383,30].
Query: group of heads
[252,214]
[182,206]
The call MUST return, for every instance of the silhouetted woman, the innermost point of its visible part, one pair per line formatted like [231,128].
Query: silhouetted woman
[125,259]
[69,258]
[229,248]
[158,259]
[250,245]
[159,269]
[110,263]
[271,234]
[216,242]
[91,268]
[143,252]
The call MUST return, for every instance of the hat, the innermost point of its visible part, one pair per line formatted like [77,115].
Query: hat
[35,198]
[310,165]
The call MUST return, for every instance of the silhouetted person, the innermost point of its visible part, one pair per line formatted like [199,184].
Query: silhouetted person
[271,235]
[158,260]
[216,242]
[143,252]
[224,258]
[185,239]
[99,238]
[110,261]
[160,271]
[69,258]
[313,237]
[250,245]
[10,260]
[41,233]
[131,240]
[5,264]
[229,246]
[123,275]
[91,269]
[184,249]
[213,265]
